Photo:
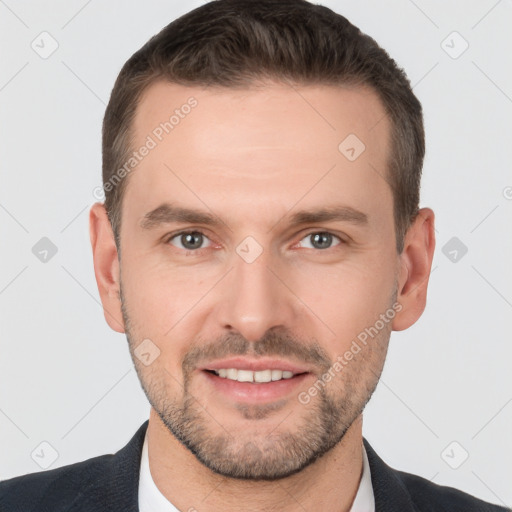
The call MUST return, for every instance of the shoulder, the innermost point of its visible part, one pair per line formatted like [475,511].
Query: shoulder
[398,490]
[428,496]
[56,488]
[107,482]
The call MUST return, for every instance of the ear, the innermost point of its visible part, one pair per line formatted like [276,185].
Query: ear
[106,265]
[415,263]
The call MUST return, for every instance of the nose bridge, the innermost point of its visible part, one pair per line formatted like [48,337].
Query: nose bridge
[254,299]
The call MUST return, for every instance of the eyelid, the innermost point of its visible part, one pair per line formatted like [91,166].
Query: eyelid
[313,231]
[184,231]
[341,239]
[170,236]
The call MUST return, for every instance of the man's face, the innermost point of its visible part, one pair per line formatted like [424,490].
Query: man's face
[260,291]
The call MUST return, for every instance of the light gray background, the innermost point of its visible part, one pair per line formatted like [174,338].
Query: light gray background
[67,379]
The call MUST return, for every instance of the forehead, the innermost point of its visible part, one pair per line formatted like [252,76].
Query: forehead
[268,144]
[259,112]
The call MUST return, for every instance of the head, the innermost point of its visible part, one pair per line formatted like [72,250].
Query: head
[261,165]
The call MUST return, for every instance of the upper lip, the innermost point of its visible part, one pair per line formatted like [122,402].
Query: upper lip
[255,365]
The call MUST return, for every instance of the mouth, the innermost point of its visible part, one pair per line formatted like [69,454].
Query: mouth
[260,381]
[261,376]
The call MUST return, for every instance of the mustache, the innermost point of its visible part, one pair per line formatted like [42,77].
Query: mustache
[275,343]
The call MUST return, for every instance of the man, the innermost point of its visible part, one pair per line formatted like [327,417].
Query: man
[260,239]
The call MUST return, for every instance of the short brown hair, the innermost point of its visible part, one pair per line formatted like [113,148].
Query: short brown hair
[234,43]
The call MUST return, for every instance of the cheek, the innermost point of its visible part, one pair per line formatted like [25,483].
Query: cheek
[346,300]
[163,304]
[159,296]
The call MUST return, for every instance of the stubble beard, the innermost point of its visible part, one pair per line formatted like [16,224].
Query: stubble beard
[288,447]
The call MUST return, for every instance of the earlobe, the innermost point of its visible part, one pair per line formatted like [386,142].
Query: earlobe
[415,268]
[106,265]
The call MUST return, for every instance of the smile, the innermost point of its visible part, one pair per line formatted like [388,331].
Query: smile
[261,376]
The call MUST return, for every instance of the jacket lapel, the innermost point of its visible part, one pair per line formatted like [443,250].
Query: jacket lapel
[388,489]
[118,487]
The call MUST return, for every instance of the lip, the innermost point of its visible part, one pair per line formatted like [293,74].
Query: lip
[252,392]
[255,365]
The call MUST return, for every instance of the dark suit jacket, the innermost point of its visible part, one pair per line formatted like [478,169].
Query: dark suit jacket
[110,483]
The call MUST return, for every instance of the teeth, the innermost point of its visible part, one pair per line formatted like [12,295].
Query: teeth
[250,376]
[245,376]
[263,376]
[232,373]
[277,374]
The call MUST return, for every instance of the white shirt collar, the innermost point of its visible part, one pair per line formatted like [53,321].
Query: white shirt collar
[364,500]
[150,497]
[152,500]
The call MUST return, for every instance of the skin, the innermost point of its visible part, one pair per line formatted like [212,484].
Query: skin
[253,158]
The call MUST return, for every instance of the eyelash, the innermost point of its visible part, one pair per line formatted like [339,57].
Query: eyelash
[199,251]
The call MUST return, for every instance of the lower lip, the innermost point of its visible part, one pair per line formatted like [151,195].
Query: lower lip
[255,392]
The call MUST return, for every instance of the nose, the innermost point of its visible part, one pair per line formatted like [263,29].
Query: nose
[255,298]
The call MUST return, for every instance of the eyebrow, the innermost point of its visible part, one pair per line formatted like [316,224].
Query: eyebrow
[167,214]
[338,213]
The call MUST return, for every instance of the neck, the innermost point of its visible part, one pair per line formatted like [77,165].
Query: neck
[329,484]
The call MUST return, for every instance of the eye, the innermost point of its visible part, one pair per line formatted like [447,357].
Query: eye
[319,240]
[188,240]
